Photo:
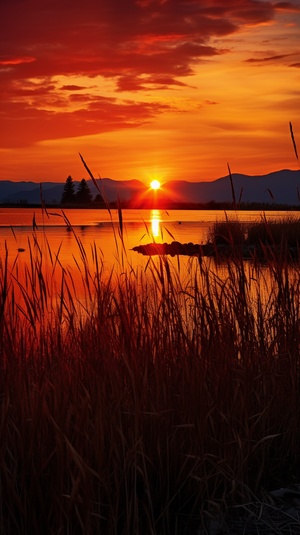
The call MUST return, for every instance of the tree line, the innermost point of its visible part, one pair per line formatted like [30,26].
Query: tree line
[82,196]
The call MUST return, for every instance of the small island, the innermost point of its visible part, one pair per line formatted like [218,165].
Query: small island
[230,239]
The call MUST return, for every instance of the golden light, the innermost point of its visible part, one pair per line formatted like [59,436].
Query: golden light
[155,223]
[155,184]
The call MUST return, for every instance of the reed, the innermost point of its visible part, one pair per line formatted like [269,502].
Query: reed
[227,232]
[261,241]
[142,401]
[279,231]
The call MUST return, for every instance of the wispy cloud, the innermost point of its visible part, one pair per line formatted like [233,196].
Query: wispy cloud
[72,87]
[273,59]
[287,6]
[94,116]
[16,60]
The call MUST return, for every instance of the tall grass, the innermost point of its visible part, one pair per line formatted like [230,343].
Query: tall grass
[144,402]
[261,240]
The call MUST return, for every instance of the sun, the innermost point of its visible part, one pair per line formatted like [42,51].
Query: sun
[155,184]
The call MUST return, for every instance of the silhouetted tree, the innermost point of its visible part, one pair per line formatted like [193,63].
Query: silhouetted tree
[68,194]
[98,200]
[83,195]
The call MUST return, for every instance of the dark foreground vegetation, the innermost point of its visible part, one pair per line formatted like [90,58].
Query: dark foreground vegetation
[147,401]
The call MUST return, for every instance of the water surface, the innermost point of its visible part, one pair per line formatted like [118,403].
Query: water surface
[101,229]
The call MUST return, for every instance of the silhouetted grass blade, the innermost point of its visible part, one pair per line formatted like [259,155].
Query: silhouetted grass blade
[293,140]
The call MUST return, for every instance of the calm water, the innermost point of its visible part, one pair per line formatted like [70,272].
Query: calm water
[100,228]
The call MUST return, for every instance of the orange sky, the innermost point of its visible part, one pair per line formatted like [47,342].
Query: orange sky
[167,89]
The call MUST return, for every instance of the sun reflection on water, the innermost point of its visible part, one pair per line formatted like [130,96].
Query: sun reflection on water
[155,223]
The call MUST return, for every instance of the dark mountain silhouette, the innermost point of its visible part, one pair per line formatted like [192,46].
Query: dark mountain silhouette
[51,192]
[280,187]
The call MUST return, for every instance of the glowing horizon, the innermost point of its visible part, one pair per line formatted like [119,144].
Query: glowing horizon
[169,88]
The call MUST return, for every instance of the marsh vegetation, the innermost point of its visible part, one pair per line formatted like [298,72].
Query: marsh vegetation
[145,400]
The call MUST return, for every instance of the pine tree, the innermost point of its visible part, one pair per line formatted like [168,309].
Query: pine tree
[83,195]
[68,195]
[98,201]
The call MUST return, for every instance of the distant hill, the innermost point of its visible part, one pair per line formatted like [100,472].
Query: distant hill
[51,192]
[280,187]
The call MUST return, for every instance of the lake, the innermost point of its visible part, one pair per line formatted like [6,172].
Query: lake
[100,228]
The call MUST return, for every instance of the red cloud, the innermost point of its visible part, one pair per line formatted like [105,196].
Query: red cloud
[97,115]
[139,44]
[17,61]
[287,6]
[114,37]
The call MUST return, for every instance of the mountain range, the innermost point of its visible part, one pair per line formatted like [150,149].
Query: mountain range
[280,187]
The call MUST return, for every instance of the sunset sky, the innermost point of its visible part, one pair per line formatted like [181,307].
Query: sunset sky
[148,89]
